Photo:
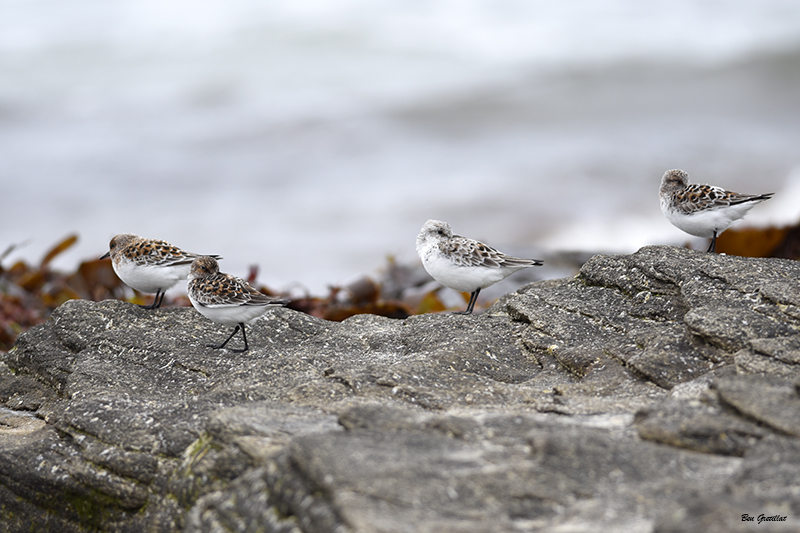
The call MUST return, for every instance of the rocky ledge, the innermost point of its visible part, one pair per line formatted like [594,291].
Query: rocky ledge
[652,392]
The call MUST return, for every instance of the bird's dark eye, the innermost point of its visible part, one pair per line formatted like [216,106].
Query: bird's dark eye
[440,232]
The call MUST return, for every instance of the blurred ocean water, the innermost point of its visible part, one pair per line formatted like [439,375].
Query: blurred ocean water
[314,138]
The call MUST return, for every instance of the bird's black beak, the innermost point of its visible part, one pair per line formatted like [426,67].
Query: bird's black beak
[108,254]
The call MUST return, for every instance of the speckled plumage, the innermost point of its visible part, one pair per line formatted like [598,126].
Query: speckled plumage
[149,265]
[464,264]
[226,299]
[702,210]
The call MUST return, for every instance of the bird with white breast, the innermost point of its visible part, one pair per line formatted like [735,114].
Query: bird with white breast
[464,264]
[703,210]
[226,299]
[149,265]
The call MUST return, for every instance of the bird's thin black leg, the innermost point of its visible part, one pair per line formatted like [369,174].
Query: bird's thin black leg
[471,305]
[244,336]
[473,300]
[713,245]
[226,340]
[156,301]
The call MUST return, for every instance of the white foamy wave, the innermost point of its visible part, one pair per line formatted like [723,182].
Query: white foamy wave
[506,31]
[313,138]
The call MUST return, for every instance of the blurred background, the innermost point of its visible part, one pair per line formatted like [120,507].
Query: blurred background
[315,138]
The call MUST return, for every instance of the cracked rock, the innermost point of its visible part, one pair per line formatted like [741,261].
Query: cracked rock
[656,391]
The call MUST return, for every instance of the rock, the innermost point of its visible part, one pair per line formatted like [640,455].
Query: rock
[656,391]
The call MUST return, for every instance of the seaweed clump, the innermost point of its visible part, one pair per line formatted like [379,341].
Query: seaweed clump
[29,293]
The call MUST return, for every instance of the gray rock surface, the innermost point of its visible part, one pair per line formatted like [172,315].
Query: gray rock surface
[653,392]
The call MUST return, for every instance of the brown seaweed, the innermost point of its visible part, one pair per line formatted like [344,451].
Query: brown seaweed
[28,294]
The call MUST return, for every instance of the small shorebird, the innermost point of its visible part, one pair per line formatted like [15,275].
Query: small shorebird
[226,299]
[464,264]
[148,265]
[703,210]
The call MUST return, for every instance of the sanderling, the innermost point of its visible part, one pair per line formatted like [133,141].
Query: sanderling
[148,265]
[226,299]
[703,210]
[463,264]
